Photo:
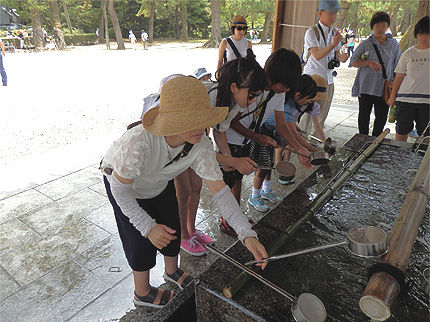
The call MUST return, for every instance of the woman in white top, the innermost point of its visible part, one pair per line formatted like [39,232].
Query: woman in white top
[237,39]
[139,169]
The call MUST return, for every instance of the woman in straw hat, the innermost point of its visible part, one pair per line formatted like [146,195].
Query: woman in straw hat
[139,170]
[236,45]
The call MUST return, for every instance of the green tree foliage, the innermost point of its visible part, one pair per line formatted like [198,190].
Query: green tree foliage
[360,12]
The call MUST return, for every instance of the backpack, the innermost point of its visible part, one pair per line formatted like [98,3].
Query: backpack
[317,34]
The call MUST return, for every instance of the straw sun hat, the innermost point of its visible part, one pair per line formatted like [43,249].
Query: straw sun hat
[184,107]
[321,88]
[238,20]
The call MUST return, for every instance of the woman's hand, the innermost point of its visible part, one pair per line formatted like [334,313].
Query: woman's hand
[374,65]
[245,165]
[264,140]
[257,249]
[161,236]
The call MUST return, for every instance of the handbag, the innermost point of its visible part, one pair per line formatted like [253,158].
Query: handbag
[388,86]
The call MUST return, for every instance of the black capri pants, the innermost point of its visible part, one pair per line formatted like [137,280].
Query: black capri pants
[140,252]
[238,151]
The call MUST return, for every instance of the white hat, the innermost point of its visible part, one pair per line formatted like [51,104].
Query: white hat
[153,100]
[200,72]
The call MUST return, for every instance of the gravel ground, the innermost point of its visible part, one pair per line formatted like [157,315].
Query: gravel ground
[63,109]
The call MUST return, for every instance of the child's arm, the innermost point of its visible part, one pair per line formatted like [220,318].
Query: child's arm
[318,129]
[397,82]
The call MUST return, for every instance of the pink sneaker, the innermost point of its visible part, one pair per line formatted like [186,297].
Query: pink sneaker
[192,247]
[202,238]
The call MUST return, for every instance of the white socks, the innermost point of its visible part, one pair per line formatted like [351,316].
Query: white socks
[266,186]
[256,192]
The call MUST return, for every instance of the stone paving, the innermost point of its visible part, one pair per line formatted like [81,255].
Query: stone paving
[60,254]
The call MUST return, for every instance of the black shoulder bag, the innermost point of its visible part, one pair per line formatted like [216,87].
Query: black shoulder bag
[233,47]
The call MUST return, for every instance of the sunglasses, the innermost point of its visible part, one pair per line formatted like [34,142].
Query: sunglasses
[240,28]
[253,94]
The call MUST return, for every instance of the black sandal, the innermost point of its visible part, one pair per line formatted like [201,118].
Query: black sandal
[174,278]
[148,300]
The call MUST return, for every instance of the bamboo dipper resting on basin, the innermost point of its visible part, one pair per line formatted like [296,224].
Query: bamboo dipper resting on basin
[387,277]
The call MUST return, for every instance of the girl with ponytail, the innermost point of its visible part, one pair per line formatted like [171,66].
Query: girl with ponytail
[238,84]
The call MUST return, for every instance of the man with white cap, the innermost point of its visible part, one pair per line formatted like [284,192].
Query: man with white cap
[322,54]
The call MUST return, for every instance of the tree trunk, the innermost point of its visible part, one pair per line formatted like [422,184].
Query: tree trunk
[408,38]
[66,13]
[216,22]
[177,25]
[184,21]
[55,17]
[101,37]
[267,21]
[105,23]
[406,21]
[115,24]
[393,24]
[151,22]
[340,21]
[36,22]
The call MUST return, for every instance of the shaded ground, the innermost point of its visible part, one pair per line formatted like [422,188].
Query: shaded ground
[58,240]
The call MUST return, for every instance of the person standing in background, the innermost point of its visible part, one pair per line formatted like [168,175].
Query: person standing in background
[144,37]
[411,88]
[321,53]
[132,39]
[371,75]
[235,46]
[351,44]
[2,70]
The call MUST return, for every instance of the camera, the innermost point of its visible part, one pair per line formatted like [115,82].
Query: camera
[332,64]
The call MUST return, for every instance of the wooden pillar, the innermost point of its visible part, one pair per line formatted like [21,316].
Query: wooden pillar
[292,18]
[382,288]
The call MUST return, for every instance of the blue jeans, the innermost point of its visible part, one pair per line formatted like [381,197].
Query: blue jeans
[2,71]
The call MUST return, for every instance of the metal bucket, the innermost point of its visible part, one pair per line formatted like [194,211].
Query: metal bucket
[367,241]
[319,158]
[286,171]
[308,308]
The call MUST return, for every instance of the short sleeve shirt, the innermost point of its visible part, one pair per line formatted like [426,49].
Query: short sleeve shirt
[319,67]
[276,103]
[288,115]
[367,81]
[415,86]
[142,156]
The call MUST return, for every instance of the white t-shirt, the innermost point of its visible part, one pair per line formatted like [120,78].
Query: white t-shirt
[241,46]
[319,67]
[275,104]
[142,156]
[233,111]
[415,86]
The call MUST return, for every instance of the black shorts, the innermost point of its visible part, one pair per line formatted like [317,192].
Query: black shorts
[140,252]
[238,151]
[407,113]
[264,156]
